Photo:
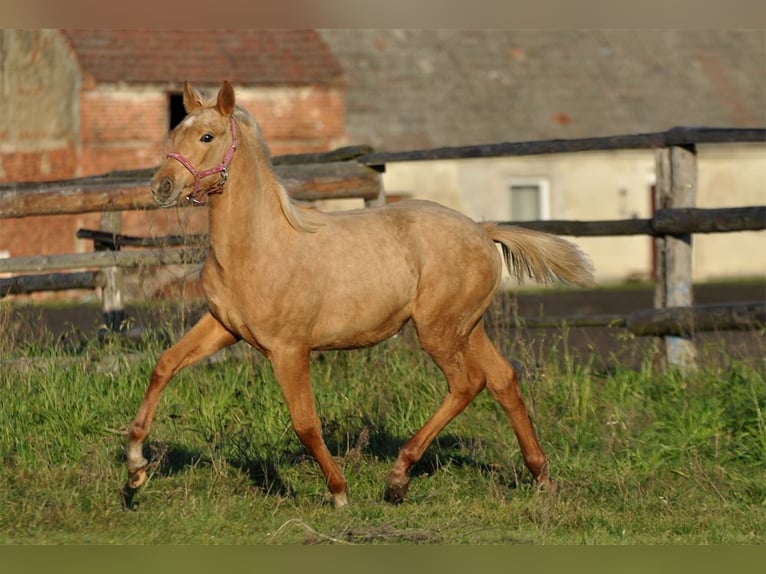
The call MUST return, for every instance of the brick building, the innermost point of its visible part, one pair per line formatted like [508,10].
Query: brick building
[86,102]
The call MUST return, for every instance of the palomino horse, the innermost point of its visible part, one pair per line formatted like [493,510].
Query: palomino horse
[289,279]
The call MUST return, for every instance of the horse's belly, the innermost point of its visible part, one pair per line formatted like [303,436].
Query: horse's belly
[359,322]
[354,333]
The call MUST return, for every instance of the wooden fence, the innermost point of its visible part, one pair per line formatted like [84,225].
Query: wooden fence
[355,172]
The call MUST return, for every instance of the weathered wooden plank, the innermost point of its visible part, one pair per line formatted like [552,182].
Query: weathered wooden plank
[685,321]
[579,321]
[665,222]
[679,221]
[90,197]
[589,228]
[517,149]
[111,294]
[676,187]
[307,182]
[679,136]
[690,136]
[741,316]
[337,180]
[339,154]
[118,240]
[101,259]
[22,284]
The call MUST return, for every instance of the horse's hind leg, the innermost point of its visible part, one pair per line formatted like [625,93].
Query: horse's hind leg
[465,379]
[504,387]
[291,367]
[204,339]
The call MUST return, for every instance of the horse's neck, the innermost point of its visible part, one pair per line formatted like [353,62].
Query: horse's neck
[248,211]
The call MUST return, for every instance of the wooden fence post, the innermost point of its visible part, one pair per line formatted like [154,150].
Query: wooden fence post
[676,187]
[111,294]
[380,199]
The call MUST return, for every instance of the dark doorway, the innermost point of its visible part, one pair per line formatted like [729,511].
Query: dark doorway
[176,109]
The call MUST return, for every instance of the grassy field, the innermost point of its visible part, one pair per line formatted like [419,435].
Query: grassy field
[642,455]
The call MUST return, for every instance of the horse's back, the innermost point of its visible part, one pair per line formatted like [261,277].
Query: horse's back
[452,256]
[448,239]
[418,220]
[429,235]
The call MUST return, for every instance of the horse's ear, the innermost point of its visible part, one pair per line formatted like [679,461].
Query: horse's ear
[226,99]
[192,100]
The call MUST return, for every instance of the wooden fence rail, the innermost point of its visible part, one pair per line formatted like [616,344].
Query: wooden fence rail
[102,260]
[664,222]
[675,137]
[355,172]
[743,316]
[127,191]
[25,284]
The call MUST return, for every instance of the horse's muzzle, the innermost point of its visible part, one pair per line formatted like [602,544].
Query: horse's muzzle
[164,192]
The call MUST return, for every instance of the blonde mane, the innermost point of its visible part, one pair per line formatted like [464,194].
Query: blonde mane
[290,209]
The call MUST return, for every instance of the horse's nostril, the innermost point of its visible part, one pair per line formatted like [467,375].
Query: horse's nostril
[166,186]
[163,190]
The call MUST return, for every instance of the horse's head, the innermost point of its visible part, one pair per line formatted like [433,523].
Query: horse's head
[202,145]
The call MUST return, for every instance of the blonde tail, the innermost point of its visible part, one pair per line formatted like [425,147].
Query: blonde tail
[541,256]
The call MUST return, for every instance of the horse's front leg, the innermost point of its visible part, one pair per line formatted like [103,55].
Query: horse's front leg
[204,339]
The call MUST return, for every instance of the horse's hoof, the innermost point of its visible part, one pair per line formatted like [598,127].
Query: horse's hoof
[340,499]
[136,477]
[396,491]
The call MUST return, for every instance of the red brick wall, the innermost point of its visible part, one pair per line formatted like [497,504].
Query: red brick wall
[126,129]
[121,129]
[300,120]
[38,235]
[46,165]
[45,234]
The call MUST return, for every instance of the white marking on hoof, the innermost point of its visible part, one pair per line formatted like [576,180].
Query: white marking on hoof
[340,499]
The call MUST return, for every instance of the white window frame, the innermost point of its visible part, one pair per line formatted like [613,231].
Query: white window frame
[543,184]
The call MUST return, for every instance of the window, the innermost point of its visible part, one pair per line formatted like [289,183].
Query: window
[176,110]
[529,199]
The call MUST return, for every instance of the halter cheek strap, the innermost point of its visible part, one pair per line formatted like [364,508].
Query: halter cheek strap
[198,194]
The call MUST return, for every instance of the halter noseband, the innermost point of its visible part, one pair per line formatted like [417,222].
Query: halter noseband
[197,196]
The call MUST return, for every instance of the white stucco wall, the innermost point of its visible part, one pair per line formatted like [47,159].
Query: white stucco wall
[731,176]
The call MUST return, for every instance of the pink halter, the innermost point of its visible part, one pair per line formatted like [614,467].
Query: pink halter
[197,196]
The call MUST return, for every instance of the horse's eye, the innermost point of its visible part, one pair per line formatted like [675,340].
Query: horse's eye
[207,138]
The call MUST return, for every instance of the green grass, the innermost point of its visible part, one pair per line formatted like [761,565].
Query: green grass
[642,455]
